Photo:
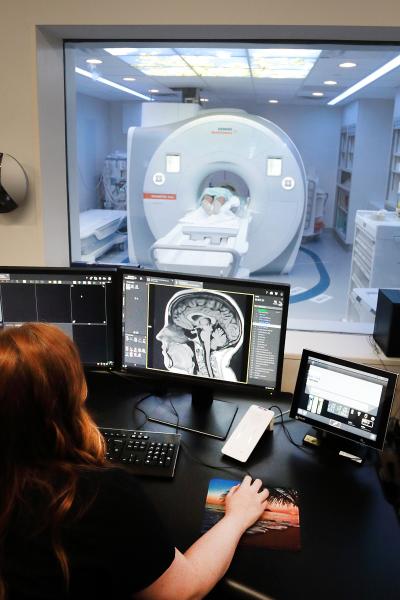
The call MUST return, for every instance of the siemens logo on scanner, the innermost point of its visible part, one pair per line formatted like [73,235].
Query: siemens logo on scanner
[223,131]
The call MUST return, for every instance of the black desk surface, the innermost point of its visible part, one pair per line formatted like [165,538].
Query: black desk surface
[350,534]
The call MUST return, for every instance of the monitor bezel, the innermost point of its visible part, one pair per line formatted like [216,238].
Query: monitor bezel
[188,381]
[386,406]
[83,270]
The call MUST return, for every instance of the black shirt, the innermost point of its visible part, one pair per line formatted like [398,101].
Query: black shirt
[117,547]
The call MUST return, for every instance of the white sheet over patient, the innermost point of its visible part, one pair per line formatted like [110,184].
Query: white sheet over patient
[225,217]
[199,217]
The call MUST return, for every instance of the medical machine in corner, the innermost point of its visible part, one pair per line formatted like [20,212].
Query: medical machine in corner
[221,193]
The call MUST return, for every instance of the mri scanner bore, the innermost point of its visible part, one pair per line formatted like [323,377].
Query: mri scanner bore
[202,332]
[221,193]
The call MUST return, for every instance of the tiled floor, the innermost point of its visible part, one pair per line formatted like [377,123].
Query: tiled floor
[308,299]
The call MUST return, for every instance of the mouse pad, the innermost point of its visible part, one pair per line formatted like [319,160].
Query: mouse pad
[279,525]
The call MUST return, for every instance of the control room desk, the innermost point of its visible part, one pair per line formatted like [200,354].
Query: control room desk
[350,534]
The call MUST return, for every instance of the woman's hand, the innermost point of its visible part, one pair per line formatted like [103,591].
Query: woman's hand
[245,503]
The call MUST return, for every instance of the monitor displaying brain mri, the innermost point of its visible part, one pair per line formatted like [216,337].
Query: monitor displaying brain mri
[199,332]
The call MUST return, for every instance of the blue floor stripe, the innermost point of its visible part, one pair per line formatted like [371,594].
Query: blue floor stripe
[320,287]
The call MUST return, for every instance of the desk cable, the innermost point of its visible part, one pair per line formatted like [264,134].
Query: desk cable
[182,443]
[216,467]
[198,460]
[286,430]
[136,406]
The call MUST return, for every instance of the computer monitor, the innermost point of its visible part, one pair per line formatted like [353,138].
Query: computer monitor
[212,335]
[348,403]
[81,302]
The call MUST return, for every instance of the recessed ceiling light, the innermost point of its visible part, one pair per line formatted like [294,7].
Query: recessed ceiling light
[129,78]
[318,94]
[330,82]
[273,101]
[94,61]
[154,91]
[347,65]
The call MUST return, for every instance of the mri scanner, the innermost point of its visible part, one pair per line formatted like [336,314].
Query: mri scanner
[222,193]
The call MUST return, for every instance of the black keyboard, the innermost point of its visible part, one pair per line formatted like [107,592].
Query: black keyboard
[149,453]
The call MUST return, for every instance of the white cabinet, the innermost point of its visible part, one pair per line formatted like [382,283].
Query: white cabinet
[376,251]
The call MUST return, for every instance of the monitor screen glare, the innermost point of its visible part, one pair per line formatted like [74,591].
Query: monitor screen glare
[227,330]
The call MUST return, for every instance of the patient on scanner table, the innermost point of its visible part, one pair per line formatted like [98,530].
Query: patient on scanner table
[202,331]
[219,200]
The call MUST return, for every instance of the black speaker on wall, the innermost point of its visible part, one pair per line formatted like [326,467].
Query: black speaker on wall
[387,322]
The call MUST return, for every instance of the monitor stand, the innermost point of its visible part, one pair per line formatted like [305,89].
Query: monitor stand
[336,445]
[199,412]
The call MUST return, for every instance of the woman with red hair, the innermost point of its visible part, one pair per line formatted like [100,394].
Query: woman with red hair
[71,526]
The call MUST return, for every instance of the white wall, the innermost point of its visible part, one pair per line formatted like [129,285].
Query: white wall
[350,114]
[131,115]
[93,127]
[117,135]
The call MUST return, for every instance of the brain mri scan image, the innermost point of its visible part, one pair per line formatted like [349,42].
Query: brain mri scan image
[202,332]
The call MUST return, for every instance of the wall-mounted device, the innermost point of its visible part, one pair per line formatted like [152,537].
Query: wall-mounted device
[13,183]
[348,404]
[387,322]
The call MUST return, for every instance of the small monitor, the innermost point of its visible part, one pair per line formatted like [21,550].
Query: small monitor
[79,301]
[340,397]
[211,335]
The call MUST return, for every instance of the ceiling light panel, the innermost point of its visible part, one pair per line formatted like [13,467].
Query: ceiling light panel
[213,52]
[186,62]
[282,63]
[138,51]
[158,71]
[208,65]
[162,62]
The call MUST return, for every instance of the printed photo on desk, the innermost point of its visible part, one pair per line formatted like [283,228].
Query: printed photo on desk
[279,526]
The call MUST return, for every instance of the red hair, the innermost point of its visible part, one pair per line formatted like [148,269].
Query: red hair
[46,434]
